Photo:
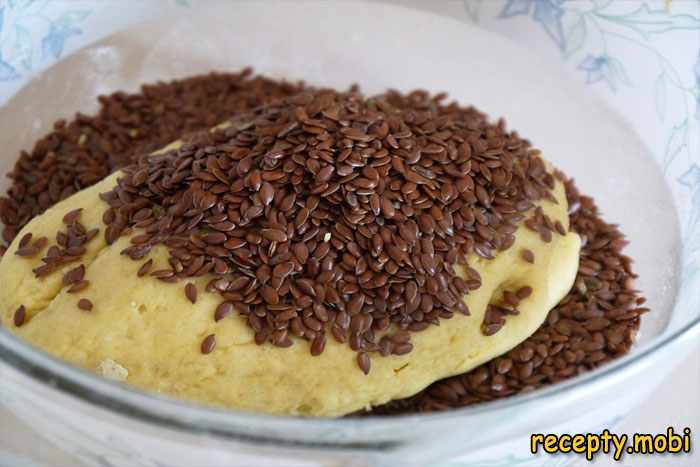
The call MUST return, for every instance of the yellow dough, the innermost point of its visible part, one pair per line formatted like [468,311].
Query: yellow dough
[146,333]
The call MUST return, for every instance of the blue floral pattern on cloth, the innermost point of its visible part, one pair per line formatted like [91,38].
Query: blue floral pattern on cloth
[7,71]
[603,29]
[36,33]
[59,31]
[32,34]
[603,67]
[546,12]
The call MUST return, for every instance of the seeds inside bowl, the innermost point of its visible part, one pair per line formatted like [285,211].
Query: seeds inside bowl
[333,172]
[588,328]
[320,218]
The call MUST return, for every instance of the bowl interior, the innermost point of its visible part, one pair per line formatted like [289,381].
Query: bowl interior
[576,131]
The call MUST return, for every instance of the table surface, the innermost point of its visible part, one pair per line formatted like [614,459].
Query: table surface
[675,403]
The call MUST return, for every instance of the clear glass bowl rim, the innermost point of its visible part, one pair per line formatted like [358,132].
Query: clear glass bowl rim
[230,424]
[166,413]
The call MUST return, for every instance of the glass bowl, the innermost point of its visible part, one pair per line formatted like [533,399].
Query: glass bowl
[656,203]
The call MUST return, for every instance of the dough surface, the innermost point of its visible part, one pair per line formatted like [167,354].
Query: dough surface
[146,333]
